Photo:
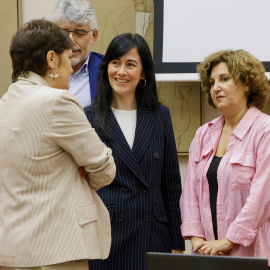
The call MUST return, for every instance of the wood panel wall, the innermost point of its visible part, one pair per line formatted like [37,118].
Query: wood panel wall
[9,23]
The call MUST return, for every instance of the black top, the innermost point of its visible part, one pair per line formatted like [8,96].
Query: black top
[213,188]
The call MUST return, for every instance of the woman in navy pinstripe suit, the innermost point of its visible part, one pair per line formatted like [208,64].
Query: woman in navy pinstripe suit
[143,200]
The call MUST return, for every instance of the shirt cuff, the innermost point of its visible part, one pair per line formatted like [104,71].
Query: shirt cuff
[240,235]
[189,229]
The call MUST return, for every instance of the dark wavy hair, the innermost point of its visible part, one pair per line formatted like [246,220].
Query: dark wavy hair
[242,66]
[32,42]
[147,97]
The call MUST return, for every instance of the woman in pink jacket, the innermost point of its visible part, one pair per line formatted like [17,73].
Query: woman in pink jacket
[225,203]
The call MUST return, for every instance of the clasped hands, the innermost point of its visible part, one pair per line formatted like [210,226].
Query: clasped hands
[215,247]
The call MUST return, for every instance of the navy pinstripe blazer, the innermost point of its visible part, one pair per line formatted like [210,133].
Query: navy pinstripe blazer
[143,200]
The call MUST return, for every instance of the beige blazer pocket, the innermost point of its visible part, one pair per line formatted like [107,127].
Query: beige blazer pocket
[86,213]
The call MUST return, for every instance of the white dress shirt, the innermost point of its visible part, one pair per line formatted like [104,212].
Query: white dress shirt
[79,84]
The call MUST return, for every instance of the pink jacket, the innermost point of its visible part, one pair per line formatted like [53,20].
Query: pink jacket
[243,200]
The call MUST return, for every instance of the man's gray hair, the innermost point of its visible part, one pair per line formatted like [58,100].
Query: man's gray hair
[79,12]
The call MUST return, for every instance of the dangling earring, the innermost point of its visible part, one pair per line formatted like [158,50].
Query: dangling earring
[143,84]
[54,76]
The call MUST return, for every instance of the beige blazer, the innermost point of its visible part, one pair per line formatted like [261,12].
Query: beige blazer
[48,213]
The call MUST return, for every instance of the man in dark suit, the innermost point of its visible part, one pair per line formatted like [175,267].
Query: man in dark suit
[78,18]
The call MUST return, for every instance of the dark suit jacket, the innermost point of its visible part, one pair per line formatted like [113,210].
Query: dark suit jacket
[143,199]
[93,69]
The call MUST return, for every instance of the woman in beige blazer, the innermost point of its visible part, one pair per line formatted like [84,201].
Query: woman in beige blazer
[51,162]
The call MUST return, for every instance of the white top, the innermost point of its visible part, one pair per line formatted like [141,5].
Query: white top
[127,122]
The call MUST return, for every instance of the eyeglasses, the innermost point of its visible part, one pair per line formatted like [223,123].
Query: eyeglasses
[78,32]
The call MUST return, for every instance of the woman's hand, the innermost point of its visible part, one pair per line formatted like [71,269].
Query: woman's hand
[216,247]
[197,242]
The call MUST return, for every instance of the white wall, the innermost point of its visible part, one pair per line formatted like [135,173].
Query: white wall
[37,9]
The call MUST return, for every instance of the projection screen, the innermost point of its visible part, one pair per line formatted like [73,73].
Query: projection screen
[185,32]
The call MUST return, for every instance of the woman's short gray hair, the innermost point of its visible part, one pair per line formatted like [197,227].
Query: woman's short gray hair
[79,12]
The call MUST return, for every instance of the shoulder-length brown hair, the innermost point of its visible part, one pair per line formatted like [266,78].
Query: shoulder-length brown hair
[242,66]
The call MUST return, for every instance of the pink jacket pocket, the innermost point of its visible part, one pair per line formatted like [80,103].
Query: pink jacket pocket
[243,170]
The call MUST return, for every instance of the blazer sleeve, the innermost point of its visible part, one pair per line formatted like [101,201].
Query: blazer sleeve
[71,130]
[256,210]
[171,182]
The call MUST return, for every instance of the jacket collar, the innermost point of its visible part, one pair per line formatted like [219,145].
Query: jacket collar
[143,134]
[242,127]
[32,78]
[246,122]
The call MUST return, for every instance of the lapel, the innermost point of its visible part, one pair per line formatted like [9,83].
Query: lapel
[93,69]
[143,132]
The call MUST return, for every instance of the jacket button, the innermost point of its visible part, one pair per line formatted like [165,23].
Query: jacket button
[122,190]
[156,155]
[120,218]
[146,218]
